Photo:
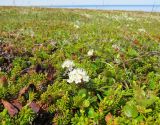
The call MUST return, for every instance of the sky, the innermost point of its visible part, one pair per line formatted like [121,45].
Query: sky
[77,2]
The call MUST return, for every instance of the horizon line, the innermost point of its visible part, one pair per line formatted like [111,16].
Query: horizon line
[106,5]
[89,5]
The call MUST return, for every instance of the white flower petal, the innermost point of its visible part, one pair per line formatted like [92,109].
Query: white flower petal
[78,75]
[90,52]
[68,64]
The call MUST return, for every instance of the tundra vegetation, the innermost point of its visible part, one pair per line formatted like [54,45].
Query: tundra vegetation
[80,67]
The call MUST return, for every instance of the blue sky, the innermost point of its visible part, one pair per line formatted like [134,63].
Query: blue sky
[75,2]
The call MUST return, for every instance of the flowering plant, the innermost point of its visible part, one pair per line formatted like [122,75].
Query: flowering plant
[90,52]
[69,64]
[78,75]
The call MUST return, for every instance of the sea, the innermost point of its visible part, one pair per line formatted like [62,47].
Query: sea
[148,8]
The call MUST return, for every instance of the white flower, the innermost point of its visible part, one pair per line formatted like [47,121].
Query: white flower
[118,61]
[141,30]
[69,64]
[116,47]
[78,75]
[90,52]
[76,26]
[87,15]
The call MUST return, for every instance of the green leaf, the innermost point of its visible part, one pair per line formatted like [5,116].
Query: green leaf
[152,84]
[91,113]
[132,52]
[82,93]
[86,103]
[130,110]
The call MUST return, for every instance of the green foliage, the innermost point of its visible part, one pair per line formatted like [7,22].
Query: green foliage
[5,118]
[123,70]
[25,116]
[130,110]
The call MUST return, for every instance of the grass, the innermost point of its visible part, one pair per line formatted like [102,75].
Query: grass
[124,68]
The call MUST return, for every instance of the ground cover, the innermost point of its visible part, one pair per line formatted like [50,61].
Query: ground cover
[82,67]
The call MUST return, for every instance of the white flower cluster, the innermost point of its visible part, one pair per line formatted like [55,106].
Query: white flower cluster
[116,47]
[122,16]
[76,75]
[90,52]
[69,64]
[87,15]
[142,30]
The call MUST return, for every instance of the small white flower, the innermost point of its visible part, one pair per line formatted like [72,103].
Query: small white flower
[78,75]
[141,30]
[69,64]
[87,15]
[76,26]
[90,52]
[116,47]
[118,61]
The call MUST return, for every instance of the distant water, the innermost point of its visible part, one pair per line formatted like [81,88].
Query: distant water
[148,8]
